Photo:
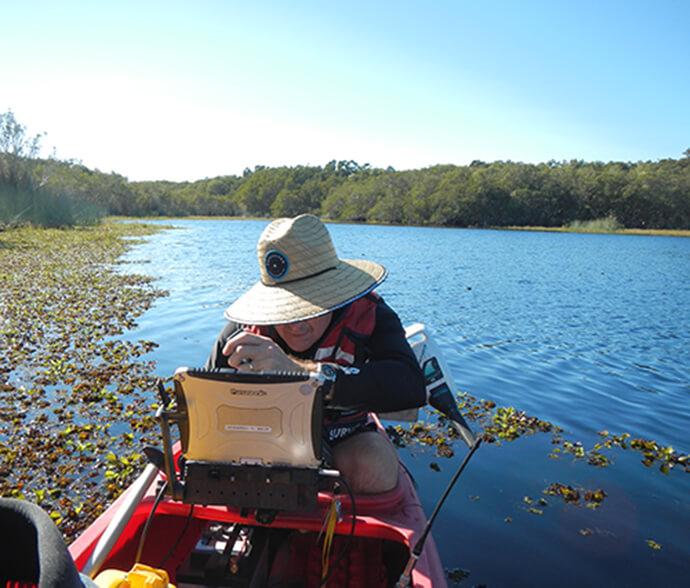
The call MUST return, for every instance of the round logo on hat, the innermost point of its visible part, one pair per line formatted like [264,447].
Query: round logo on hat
[276,264]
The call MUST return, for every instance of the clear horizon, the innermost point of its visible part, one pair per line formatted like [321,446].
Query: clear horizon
[181,91]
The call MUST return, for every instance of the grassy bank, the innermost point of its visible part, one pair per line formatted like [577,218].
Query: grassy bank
[578,227]
[75,397]
[649,232]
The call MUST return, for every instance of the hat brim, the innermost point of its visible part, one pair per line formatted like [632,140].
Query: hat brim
[308,298]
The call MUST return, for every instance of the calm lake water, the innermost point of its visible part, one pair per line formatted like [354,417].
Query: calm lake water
[589,332]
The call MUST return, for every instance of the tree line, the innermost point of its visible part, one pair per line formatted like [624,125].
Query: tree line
[651,194]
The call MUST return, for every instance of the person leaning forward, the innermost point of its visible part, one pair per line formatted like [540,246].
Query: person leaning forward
[312,307]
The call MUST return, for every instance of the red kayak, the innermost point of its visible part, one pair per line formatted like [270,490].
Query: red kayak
[192,542]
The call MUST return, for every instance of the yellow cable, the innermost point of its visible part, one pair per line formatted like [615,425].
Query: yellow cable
[330,522]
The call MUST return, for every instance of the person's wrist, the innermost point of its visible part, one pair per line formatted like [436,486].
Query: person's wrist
[304,365]
[329,373]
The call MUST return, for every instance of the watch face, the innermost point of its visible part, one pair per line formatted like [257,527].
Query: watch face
[328,371]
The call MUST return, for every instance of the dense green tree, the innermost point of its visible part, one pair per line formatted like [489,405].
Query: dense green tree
[257,193]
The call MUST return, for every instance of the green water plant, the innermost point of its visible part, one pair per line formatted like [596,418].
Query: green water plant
[496,424]
[74,392]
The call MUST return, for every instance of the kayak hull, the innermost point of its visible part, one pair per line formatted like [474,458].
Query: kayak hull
[390,523]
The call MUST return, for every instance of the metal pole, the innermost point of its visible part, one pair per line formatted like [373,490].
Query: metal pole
[119,521]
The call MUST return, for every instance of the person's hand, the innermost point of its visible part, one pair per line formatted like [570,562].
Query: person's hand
[248,352]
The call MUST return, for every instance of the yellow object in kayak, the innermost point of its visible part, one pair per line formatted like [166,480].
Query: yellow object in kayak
[140,576]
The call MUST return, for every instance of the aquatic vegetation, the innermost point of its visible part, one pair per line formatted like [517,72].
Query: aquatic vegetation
[651,451]
[493,425]
[509,424]
[457,575]
[505,424]
[75,400]
[532,508]
[570,495]
[499,425]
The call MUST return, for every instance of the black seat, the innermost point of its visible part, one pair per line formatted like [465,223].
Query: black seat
[32,550]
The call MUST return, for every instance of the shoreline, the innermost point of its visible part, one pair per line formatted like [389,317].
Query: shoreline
[642,232]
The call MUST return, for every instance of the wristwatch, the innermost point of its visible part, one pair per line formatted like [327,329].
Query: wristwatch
[329,374]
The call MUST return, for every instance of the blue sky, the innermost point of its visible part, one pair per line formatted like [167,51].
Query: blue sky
[186,90]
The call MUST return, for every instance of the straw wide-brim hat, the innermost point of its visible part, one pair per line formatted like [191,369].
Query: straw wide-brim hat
[301,275]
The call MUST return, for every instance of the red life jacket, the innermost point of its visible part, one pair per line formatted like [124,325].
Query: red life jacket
[345,344]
